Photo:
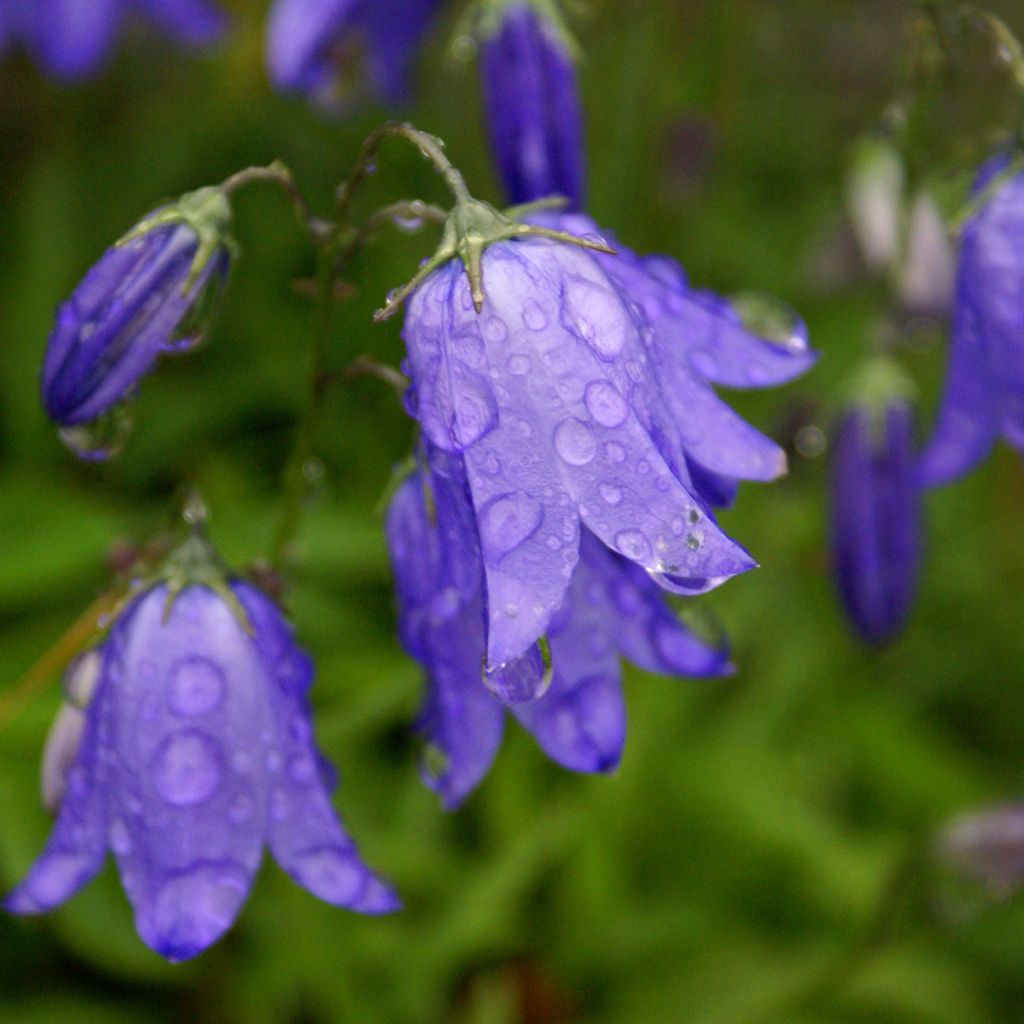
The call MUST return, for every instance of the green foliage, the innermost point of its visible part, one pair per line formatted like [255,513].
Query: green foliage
[737,868]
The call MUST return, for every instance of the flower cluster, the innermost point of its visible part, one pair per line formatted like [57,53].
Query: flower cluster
[72,39]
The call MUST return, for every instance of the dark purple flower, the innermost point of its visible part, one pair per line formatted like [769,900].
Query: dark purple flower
[197,749]
[329,49]
[72,39]
[575,710]
[875,518]
[145,296]
[581,393]
[533,112]
[984,392]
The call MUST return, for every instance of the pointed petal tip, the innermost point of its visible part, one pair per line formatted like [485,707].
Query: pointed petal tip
[377,899]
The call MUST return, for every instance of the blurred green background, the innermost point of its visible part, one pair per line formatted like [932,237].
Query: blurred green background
[755,858]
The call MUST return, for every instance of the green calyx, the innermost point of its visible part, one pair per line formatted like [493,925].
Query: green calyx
[471,227]
[876,387]
[207,211]
[491,14]
[195,562]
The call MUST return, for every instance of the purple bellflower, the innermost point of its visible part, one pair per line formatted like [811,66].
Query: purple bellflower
[149,294]
[72,39]
[195,749]
[533,113]
[334,51]
[573,706]
[984,391]
[876,517]
[580,394]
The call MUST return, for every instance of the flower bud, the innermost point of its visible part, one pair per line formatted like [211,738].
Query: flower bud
[150,293]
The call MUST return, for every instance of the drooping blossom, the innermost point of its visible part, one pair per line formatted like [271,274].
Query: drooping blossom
[533,114]
[574,709]
[72,39]
[983,398]
[876,517]
[145,296]
[196,749]
[580,395]
[335,51]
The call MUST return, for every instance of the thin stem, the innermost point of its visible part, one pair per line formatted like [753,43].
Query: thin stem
[429,146]
[278,174]
[296,474]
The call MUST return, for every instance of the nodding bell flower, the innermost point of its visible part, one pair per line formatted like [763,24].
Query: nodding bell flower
[984,391]
[876,506]
[149,294]
[534,118]
[566,690]
[337,51]
[574,384]
[194,749]
[72,39]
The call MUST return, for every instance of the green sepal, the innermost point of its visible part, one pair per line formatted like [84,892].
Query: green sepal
[207,211]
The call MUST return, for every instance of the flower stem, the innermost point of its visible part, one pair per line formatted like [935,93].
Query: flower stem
[429,146]
[280,174]
[297,482]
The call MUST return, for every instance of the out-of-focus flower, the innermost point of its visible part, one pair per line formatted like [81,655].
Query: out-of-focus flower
[197,748]
[874,199]
[336,51]
[926,270]
[876,514]
[580,393]
[988,846]
[984,391]
[534,118]
[572,706]
[72,39]
[150,293]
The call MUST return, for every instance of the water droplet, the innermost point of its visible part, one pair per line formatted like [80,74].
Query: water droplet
[494,329]
[633,544]
[677,525]
[605,403]
[508,521]
[611,493]
[195,510]
[101,439]
[614,452]
[120,839]
[574,442]
[533,316]
[596,315]
[522,679]
[643,466]
[332,873]
[511,610]
[694,540]
[518,365]
[553,542]
[771,319]
[492,464]
[693,516]
[186,768]
[196,686]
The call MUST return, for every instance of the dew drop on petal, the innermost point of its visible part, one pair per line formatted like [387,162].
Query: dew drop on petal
[633,544]
[507,521]
[186,768]
[614,452]
[611,493]
[519,364]
[195,686]
[574,442]
[605,403]
[533,316]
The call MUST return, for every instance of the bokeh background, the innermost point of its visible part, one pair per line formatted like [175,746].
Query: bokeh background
[761,854]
